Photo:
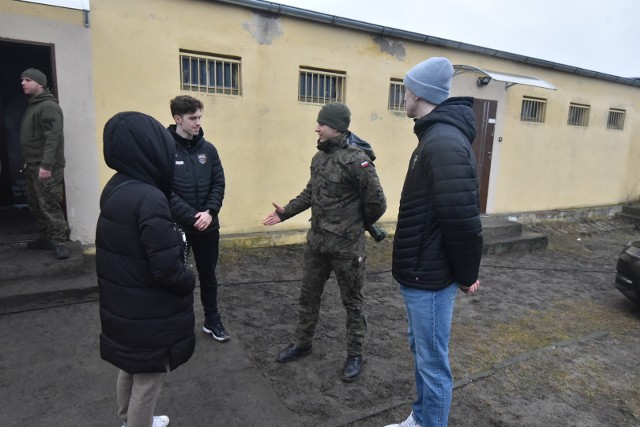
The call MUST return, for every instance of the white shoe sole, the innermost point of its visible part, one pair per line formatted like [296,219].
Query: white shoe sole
[214,336]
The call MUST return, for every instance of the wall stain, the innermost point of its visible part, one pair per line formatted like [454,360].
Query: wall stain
[264,28]
[391,47]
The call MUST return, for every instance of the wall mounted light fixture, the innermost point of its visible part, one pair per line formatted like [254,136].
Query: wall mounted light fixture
[483,81]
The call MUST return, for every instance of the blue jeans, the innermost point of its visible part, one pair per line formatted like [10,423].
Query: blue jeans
[429,316]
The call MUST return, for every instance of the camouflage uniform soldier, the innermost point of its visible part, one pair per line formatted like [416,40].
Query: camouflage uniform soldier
[345,197]
[42,142]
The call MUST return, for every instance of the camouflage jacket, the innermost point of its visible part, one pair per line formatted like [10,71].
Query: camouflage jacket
[344,194]
[41,134]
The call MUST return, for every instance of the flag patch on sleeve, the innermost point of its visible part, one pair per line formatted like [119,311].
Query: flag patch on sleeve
[364,164]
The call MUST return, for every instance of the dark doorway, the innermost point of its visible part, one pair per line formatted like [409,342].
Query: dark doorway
[16,223]
[485,114]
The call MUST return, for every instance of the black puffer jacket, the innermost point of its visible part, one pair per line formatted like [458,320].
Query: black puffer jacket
[199,182]
[438,238]
[146,293]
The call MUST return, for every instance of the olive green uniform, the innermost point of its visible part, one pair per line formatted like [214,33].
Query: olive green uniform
[42,143]
[345,196]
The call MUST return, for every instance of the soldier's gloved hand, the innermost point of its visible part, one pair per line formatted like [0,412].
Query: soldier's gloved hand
[377,233]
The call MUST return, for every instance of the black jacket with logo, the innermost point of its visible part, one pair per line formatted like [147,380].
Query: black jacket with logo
[438,237]
[198,183]
[146,292]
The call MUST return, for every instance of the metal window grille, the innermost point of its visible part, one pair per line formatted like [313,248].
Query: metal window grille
[578,115]
[200,73]
[533,110]
[321,87]
[396,96]
[616,119]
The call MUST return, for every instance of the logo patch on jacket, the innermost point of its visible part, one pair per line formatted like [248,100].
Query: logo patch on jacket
[202,158]
[364,164]
[179,162]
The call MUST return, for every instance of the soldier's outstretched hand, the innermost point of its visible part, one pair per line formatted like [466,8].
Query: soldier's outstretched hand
[273,217]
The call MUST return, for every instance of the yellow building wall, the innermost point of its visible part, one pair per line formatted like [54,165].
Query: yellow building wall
[553,165]
[266,137]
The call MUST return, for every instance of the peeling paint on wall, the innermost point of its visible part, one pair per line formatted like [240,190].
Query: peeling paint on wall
[264,28]
[391,47]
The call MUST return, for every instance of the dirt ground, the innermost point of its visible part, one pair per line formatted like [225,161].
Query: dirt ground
[547,340]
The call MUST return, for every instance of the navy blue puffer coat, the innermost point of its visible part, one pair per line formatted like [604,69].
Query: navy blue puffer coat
[438,237]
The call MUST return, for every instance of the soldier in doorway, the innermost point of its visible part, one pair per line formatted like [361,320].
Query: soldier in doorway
[42,143]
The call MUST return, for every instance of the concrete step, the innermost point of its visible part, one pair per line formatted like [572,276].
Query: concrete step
[493,226]
[526,241]
[504,236]
[20,262]
[631,210]
[630,213]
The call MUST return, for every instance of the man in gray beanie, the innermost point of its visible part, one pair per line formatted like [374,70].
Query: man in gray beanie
[42,143]
[345,197]
[432,262]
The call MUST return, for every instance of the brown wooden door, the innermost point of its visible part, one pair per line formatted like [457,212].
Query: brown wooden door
[485,114]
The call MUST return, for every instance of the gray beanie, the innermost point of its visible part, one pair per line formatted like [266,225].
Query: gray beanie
[430,80]
[35,75]
[336,115]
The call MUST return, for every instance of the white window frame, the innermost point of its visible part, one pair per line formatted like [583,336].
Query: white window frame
[578,115]
[318,86]
[396,95]
[533,110]
[210,73]
[615,119]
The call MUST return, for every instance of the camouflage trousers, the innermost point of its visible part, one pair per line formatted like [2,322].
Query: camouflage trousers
[349,274]
[45,203]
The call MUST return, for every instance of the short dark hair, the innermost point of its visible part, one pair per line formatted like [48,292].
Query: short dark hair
[185,104]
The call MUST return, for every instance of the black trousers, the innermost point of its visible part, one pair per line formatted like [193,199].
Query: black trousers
[205,248]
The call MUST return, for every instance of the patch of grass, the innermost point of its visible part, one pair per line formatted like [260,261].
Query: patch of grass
[475,348]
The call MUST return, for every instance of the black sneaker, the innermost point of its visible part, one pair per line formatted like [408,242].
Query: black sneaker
[217,332]
[61,251]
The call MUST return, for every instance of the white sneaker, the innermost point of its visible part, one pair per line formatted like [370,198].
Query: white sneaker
[409,422]
[159,421]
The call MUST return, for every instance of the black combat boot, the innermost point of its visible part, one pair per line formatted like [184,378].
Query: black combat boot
[292,352]
[352,368]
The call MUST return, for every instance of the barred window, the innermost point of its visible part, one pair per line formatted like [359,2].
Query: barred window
[533,110]
[616,119]
[396,96]
[578,115]
[210,74]
[321,86]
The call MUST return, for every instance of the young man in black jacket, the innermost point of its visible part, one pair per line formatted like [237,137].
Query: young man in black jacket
[198,190]
[438,241]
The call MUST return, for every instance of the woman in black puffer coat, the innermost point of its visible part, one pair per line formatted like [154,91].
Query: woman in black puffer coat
[146,292]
